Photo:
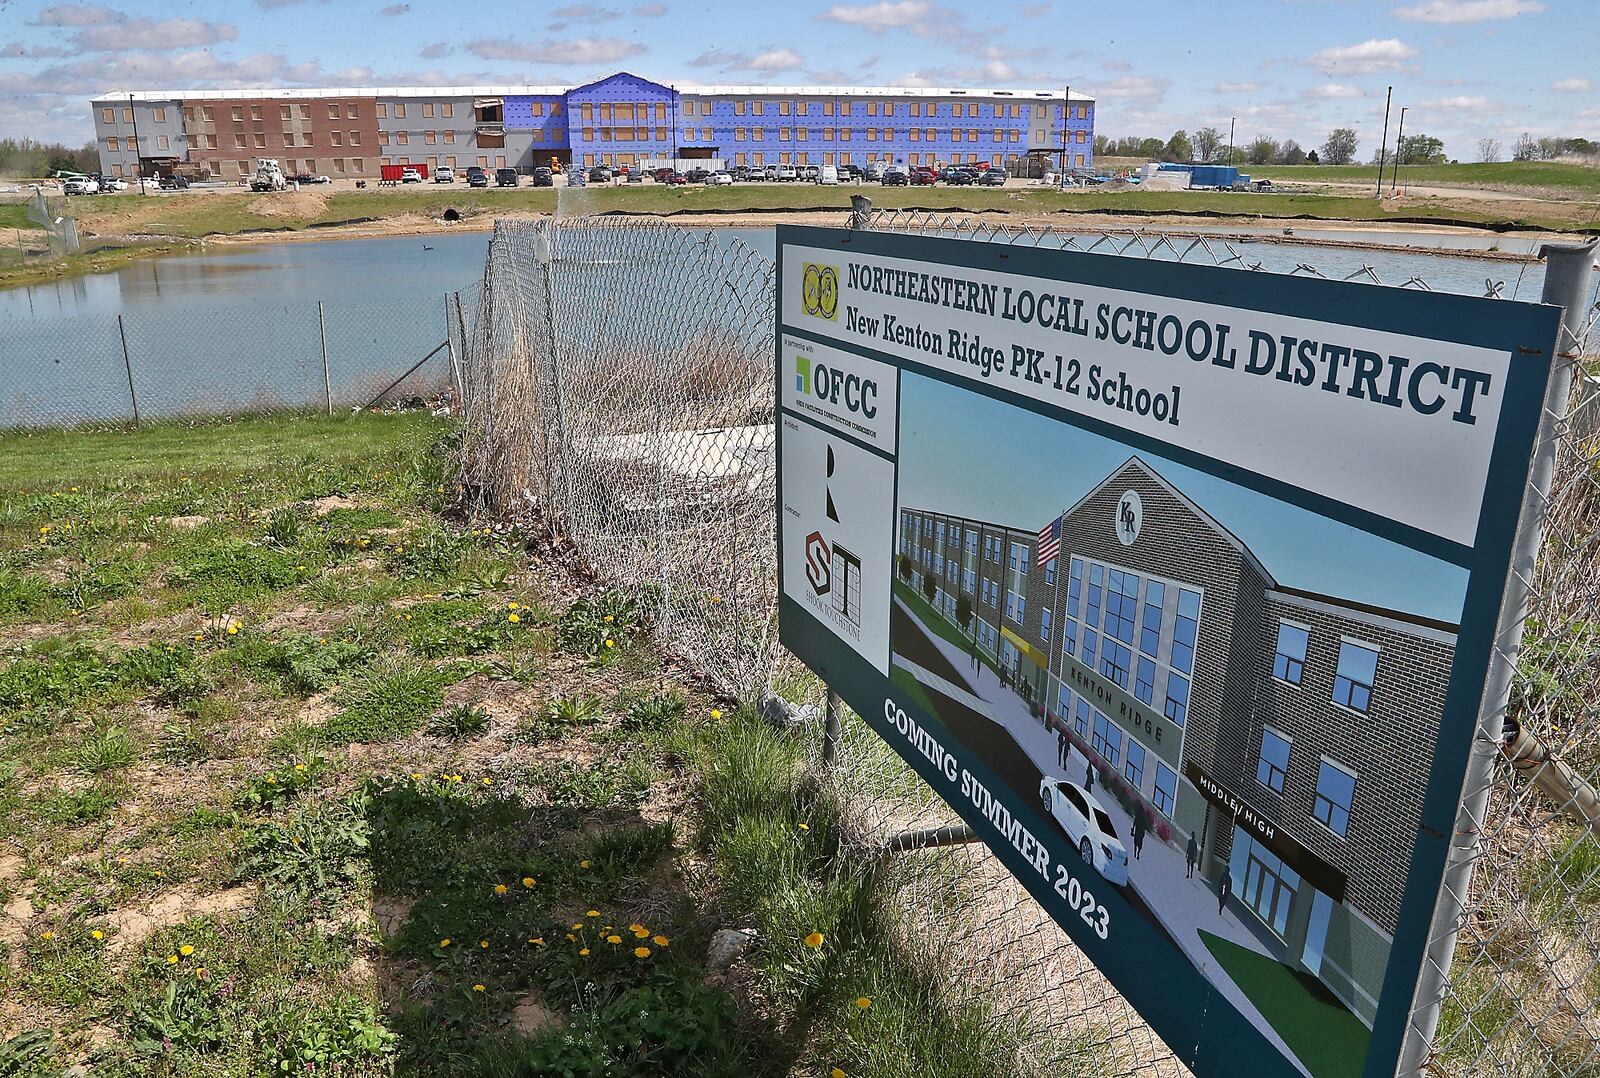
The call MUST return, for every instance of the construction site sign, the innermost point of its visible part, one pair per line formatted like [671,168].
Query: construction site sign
[1179,584]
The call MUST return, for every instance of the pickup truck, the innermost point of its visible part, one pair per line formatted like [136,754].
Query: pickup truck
[505,177]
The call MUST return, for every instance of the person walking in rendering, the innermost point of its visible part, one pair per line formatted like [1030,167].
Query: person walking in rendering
[1224,889]
[1088,778]
[1140,826]
[1191,854]
[1062,749]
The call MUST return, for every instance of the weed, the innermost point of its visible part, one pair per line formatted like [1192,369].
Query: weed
[386,706]
[575,709]
[230,572]
[315,849]
[600,627]
[655,712]
[460,721]
[29,1055]
[427,553]
[107,748]
[283,783]
[70,808]
[624,853]
[283,527]
[596,785]
[24,596]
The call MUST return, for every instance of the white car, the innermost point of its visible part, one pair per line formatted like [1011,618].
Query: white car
[1085,821]
[828,175]
[787,174]
[410,175]
[83,186]
[719,178]
[446,174]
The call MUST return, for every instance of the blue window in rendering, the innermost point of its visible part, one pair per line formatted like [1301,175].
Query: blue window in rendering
[1358,669]
[1336,790]
[1290,661]
[1274,763]
[1166,788]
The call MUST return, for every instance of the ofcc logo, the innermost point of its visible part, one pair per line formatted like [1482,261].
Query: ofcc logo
[819,291]
[834,386]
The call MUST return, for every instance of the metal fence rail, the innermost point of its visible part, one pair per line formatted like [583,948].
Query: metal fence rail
[224,360]
[619,385]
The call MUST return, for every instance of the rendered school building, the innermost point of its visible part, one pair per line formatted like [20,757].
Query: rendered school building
[1292,733]
[620,120]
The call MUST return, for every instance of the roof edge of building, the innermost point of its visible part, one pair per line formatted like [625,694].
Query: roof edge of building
[714,90]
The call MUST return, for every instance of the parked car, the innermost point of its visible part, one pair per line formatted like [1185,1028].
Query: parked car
[675,179]
[770,173]
[81,185]
[477,177]
[172,182]
[112,184]
[505,177]
[444,174]
[410,175]
[599,174]
[787,174]
[632,175]
[872,174]
[923,176]
[575,178]
[992,178]
[697,175]
[894,178]
[1085,822]
[828,174]
[742,174]
[809,173]
[543,177]
[720,178]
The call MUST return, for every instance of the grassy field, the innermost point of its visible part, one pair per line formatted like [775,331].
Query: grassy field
[300,774]
[1551,178]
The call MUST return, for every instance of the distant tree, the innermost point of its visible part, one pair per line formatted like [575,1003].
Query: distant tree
[930,586]
[1178,147]
[1313,159]
[1488,149]
[1263,150]
[1150,149]
[964,612]
[1551,148]
[1290,153]
[1526,148]
[1102,146]
[1340,147]
[1583,146]
[1207,141]
[905,568]
[26,158]
[1421,150]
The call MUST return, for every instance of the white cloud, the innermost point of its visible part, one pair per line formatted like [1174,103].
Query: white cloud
[1388,54]
[436,50]
[144,33]
[1334,91]
[1236,87]
[887,15]
[583,50]
[1456,104]
[394,9]
[77,15]
[775,60]
[1143,89]
[765,62]
[649,11]
[1572,86]
[1467,11]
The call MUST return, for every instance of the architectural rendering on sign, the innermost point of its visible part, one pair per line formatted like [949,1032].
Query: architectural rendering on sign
[621,120]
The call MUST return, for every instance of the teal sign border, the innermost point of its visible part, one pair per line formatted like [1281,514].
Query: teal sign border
[1205,1031]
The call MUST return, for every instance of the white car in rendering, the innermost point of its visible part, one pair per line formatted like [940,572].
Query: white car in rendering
[1077,813]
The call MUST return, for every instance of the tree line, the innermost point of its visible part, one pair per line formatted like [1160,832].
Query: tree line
[1209,146]
[27,158]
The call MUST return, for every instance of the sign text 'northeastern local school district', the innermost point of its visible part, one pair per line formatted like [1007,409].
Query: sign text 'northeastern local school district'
[1177,583]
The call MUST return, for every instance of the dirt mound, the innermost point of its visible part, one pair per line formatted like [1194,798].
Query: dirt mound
[288,204]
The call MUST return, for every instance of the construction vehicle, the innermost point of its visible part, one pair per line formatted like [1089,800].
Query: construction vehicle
[268,177]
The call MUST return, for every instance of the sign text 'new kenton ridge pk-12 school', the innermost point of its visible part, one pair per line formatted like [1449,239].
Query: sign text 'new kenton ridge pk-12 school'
[1178,583]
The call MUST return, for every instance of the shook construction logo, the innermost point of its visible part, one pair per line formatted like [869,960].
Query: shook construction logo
[819,563]
[819,291]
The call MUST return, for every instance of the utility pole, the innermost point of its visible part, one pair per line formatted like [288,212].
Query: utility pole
[1231,121]
[674,128]
[1066,114]
[1399,146]
[1384,142]
[138,173]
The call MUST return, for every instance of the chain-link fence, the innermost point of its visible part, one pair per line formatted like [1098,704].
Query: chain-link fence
[619,384]
[168,363]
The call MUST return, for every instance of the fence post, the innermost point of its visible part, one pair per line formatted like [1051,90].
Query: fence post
[830,731]
[1565,284]
[544,255]
[127,365]
[455,367]
[327,381]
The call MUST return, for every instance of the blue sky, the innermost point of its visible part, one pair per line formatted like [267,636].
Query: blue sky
[1469,69]
[974,457]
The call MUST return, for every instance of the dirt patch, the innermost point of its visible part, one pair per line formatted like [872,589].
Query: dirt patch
[288,204]
[531,1017]
[389,912]
[187,524]
[132,926]
[323,506]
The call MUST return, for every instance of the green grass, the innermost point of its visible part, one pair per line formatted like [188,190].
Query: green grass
[1554,178]
[14,215]
[1329,1040]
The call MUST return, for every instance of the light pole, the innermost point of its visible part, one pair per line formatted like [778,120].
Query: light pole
[1399,147]
[1231,121]
[674,128]
[137,171]
[1066,114]
[1383,143]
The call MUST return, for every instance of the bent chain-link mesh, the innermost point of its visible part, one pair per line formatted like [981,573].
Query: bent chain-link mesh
[618,383]
[222,360]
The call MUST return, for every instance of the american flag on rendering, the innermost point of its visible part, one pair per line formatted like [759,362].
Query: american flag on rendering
[1049,542]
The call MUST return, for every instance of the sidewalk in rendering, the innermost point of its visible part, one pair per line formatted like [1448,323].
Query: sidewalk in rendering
[1184,905]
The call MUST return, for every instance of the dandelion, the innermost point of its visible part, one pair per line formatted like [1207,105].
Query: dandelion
[584,952]
[578,927]
[638,930]
[299,767]
[47,935]
[571,938]
[660,941]
[96,934]
[233,630]
[444,943]
[613,939]
[484,944]
[836,1073]
[527,881]
[611,643]
[863,1002]
[610,617]
[592,913]
[487,781]
[537,940]
[186,950]
[815,940]
[803,826]
[583,864]
[172,960]
[641,952]
[44,530]
[716,713]
[478,988]
[200,973]
[499,888]
[511,606]
[513,618]
[199,636]
[416,776]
